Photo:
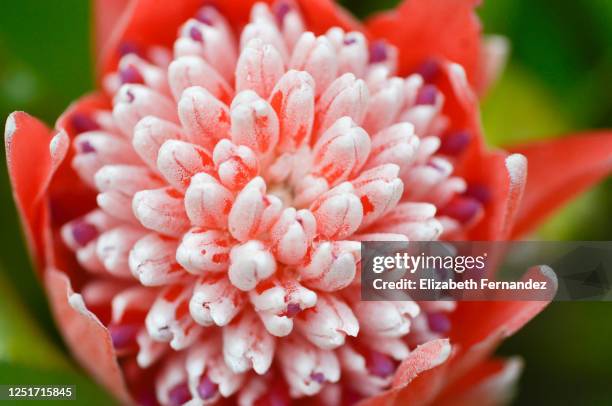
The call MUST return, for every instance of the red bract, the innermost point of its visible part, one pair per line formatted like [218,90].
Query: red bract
[208,202]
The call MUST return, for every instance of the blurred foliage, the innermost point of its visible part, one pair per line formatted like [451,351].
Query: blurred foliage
[27,356]
[44,64]
[559,80]
[21,339]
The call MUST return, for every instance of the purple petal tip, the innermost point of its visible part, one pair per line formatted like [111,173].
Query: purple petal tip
[380,364]
[378,52]
[293,309]
[438,323]
[207,389]
[83,232]
[130,75]
[195,34]
[455,143]
[82,123]
[179,394]
[317,377]
[427,95]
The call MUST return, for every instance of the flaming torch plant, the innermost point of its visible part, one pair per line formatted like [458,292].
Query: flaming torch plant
[196,220]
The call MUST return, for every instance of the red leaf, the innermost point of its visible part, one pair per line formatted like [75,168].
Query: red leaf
[32,160]
[320,15]
[432,29]
[418,378]
[558,171]
[88,340]
[106,14]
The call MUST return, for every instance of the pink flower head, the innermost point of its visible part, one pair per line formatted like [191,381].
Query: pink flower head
[209,203]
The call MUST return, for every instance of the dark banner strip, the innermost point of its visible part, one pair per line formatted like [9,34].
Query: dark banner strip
[485,270]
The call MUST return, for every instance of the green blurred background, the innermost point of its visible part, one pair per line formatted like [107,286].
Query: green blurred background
[559,80]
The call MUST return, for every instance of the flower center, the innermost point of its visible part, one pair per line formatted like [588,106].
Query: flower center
[236,179]
[284,192]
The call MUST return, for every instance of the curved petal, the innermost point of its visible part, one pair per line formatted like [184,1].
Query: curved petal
[486,319]
[106,13]
[85,106]
[418,378]
[432,29]
[87,338]
[504,177]
[33,154]
[432,369]
[320,15]
[462,108]
[558,171]
[42,180]
[494,53]
[139,27]
[490,383]
[500,174]
[481,326]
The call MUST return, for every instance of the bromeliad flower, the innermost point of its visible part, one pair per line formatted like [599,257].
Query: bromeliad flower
[209,202]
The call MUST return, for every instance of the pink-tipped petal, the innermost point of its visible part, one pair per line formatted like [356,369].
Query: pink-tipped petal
[169,320]
[293,100]
[345,96]
[113,249]
[207,202]
[259,67]
[134,102]
[352,51]
[215,301]
[236,164]
[202,251]
[331,266]
[385,319]
[254,123]
[205,118]
[247,345]
[341,151]
[94,149]
[379,190]
[419,377]
[505,180]
[138,26]
[292,235]
[152,262]
[161,210]
[338,212]
[189,71]
[315,55]
[384,106]
[150,134]
[307,367]
[253,212]
[179,161]
[250,263]
[328,323]
[396,144]
[278,302]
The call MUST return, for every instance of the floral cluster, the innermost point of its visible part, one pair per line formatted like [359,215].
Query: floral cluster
[214,195]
